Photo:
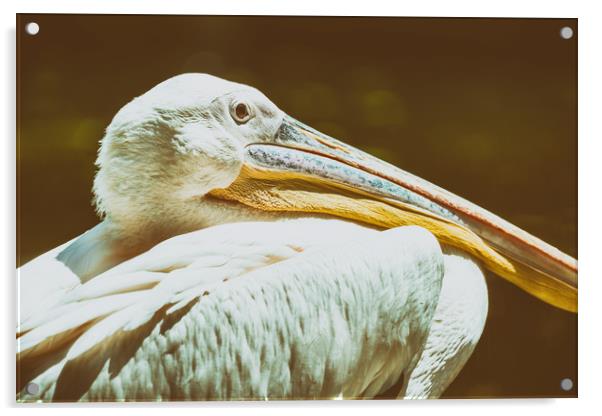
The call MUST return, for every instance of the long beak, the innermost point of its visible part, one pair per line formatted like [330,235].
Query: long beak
[304,170]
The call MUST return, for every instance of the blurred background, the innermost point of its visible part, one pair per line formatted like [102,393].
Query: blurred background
[486,108]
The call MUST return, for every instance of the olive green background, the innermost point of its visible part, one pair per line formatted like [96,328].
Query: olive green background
[486,108]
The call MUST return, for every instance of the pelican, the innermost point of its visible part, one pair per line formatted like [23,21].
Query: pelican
[243,255]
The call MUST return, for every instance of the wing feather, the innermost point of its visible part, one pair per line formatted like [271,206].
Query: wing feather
[315,319]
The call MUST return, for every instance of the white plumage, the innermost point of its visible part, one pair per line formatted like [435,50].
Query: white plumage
[304,308]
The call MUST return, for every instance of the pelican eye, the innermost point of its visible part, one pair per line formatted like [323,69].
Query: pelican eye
[241,112]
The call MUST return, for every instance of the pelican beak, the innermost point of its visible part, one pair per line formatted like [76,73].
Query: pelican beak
[303,170]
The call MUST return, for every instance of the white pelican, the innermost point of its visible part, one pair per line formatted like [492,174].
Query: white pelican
[244,255]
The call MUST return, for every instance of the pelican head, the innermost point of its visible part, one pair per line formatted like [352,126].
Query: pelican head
[167,149]
[196,148]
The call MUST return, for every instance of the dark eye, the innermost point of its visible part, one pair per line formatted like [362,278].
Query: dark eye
[241,112]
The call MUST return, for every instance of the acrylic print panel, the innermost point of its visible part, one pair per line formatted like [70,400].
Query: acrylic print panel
[202,242]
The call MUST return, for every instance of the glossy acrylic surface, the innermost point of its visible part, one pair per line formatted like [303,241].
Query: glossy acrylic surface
[486,108]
